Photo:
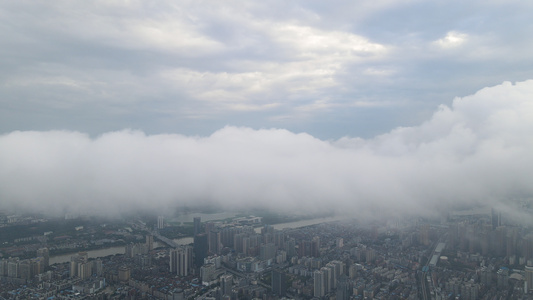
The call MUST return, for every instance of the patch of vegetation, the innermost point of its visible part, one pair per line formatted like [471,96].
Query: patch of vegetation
[175,232]
[59,227]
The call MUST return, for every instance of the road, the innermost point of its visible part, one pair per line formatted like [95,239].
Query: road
[165,240]
[238,274]
[424,288]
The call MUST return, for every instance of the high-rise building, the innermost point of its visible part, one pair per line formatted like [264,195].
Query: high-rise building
[228,235]
[315,247]
[207,273]
[528,282]
[78,266]
[190,258]
[98,267]
[37,266]
[319,284]
[246,245]
[496,218]
[304,248]
[238,242]
[328,276]
[226,284]
[267,237]
[25,270]
[197,225]
[334,272]
[215,244]
[502,276]
[290,247]
[200,249]
[85,270]
[143,261]
[180,261]
[209,226]
[279,283]
[160,222]
[267,251]
[339,242]
[370,255]
[424,235]
[267,229]
[13,267]
[279,239]
[131,250]
[150,242]
[173,261]
[124,273]
[45,254]
[343,288]
[3,267]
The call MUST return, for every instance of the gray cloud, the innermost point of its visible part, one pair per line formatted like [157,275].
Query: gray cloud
[193,67]
[475,152]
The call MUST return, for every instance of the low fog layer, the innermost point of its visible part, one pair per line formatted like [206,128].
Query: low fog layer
[479,151]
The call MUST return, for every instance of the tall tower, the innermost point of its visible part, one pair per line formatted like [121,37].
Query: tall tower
[197,225]
[190,258]
[279,283]
[200,249]
[173,263]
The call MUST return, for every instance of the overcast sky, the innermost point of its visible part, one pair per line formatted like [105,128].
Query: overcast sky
[404,105]
[330,69]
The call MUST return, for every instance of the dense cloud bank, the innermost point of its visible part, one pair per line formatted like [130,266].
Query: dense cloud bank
[478,151]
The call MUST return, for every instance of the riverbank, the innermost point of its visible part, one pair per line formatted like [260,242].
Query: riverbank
[186,240]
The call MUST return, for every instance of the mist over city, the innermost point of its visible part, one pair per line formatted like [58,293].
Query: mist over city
[475,153]
[228,150]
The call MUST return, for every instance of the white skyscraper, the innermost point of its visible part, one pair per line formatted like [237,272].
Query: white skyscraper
[180,261]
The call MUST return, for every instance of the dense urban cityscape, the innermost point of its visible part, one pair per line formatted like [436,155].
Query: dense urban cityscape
[477,254]
[266,150]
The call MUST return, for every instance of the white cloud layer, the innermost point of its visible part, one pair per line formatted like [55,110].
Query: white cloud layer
[478,151]
[452,39]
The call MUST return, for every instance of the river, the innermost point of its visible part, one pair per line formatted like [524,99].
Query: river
[187,240]
[204,217]
[303,223]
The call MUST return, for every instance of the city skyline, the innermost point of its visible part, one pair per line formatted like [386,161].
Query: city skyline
[238,150]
